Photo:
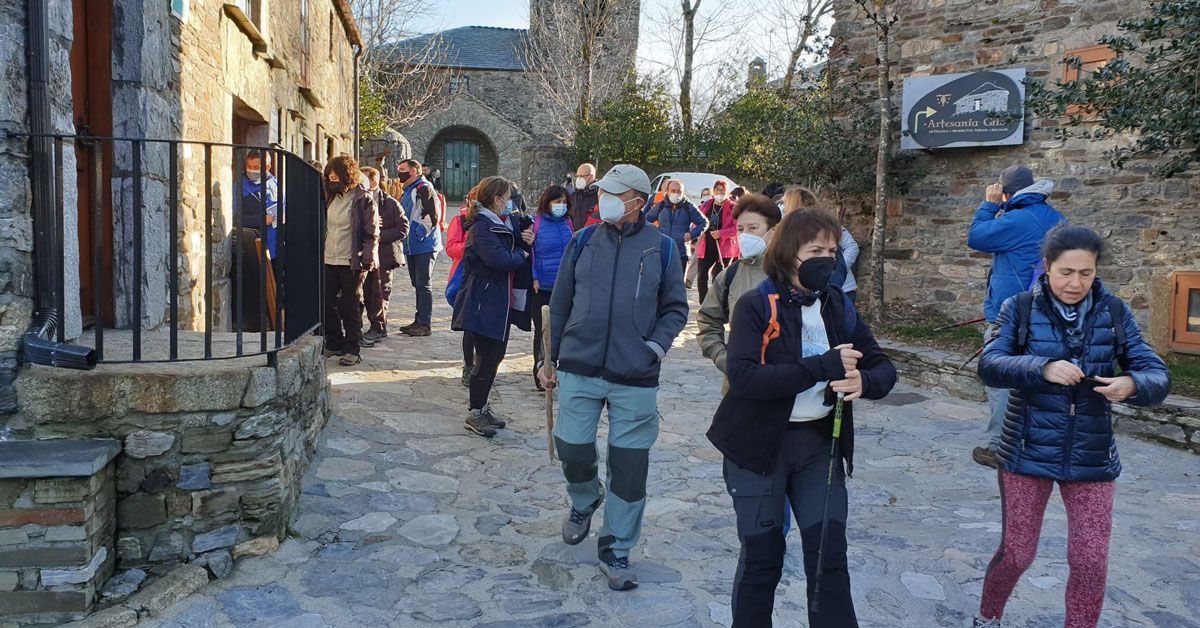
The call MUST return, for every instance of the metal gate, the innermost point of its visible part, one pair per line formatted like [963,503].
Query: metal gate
[462,169]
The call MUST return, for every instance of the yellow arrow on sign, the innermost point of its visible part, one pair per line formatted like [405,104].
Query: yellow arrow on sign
[929,111]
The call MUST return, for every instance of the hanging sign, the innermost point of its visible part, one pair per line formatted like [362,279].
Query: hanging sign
[958,110]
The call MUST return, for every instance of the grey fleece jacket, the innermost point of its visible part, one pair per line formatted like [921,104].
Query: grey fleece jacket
[614,313]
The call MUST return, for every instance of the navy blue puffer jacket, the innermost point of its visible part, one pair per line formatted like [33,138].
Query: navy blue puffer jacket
[1065,432]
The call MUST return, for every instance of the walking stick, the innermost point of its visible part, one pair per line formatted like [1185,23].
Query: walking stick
[977,353]
[973,321]
[833,455]
[549,366]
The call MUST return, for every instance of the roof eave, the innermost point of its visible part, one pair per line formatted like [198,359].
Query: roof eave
[346,15]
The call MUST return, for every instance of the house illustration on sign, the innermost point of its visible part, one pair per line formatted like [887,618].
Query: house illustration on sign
[986,97]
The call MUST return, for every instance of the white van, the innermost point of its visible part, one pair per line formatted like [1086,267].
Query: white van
[693,182]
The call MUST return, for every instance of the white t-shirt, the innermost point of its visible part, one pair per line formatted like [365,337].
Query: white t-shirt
[810,404]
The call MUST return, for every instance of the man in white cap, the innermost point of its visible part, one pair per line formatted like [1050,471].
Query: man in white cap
[618,304]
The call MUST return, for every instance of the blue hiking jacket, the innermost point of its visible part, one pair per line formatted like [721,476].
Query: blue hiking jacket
[254,195]
[676,219]
[1014,239]
[491,258]
[1066,432]
[420,208]
[550,238]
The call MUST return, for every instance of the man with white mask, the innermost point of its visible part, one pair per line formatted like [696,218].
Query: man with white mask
[618,304]
[584,197]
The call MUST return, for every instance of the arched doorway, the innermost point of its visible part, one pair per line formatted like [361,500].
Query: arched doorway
[464,155]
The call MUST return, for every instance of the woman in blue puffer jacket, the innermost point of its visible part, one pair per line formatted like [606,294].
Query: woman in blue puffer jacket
[1058,348]
[551,233]
[678,218]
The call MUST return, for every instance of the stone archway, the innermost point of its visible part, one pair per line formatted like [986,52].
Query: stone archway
[465,155]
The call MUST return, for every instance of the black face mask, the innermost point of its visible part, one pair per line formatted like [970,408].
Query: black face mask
[403,177]
[814,272]
[333,189]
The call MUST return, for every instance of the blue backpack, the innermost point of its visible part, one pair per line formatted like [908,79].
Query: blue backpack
[666,250]
[454,283]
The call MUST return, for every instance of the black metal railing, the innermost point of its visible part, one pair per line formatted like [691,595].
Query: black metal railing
[249,292]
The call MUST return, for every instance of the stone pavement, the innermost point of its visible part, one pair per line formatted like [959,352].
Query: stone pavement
[407,520]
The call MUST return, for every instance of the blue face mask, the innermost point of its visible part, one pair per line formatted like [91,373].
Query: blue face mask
[508,208]
[558,210]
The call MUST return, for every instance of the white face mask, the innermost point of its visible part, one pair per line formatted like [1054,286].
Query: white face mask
[751,245]
[719,198]
[675,198]
[612,209]
[580,183]
[558,210]
[254,175]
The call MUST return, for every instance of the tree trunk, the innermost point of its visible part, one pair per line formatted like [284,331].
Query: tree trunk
[689,54]
[878,238]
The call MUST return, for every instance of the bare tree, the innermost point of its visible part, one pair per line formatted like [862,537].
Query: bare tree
[700,35]
[566,59]
[879,14]
[804,24]
[409,71]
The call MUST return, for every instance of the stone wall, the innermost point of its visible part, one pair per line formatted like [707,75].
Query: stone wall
[17,289]
[1175,423]
[213,452]
[505,138]
[1151,226]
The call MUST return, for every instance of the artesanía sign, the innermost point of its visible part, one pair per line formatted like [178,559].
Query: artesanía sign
[956,110]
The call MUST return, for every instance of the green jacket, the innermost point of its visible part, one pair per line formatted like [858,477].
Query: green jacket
[715,311]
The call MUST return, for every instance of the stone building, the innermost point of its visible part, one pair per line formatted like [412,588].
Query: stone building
[191,459]
[1151,225]
[494,119]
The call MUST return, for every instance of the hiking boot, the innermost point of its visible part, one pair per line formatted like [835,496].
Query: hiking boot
[332,353]
[466,377]
[986,623]
[409,326]
[622,576]
[349,359]
[375,335]
[986,457]
[494,419]
[576,526]
[365,344]
[417,331]
[479,424]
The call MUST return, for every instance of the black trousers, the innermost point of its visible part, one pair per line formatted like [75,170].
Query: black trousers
[343,308]
[712,259]
[489,353]
[761,503]
[468,347]
[377,291]
[537,300]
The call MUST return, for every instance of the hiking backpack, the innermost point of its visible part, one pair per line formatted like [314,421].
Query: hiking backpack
[1116,312]
[666,250]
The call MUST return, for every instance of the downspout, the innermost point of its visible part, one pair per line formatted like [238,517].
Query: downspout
[357,139]
[39,344]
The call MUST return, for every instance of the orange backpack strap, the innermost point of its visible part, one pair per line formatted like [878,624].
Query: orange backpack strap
[772,331]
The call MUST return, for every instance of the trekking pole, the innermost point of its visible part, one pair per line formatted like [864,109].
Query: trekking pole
[833,455]
[970,359]
[549,366]
[975,321]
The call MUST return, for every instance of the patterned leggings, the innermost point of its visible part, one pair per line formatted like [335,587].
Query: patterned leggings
[1089,525]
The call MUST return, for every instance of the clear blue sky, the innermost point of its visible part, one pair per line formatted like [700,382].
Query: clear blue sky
[454,13]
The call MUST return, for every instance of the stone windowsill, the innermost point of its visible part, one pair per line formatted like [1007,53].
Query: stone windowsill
[243,22]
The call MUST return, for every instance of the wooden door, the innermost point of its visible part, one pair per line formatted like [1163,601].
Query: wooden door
[462,169]
[91,96]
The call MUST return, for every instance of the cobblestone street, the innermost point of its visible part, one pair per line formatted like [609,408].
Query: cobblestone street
[407,520]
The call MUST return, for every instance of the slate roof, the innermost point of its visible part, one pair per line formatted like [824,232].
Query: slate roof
[476,48]
[985,88]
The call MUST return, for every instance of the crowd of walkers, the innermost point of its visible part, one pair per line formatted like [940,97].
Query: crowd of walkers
[774,273]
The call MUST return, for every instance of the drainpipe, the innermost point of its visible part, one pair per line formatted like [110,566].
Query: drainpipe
[357,139]
[39,344]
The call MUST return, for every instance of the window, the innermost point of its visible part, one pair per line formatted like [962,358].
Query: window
[1185,313]
[459,83]
[179,8]
[1090,59]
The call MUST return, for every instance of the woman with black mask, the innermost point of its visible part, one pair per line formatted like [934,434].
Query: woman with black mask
[796,344]
[351,250]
